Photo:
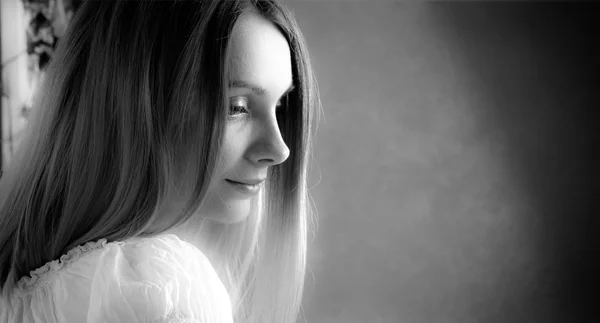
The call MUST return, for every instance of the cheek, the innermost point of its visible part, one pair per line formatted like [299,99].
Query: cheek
[235,144]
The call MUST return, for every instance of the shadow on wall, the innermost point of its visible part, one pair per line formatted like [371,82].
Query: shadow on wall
[454,162]
[539,67]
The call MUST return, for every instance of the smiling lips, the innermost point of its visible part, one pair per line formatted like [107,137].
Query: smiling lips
[247,182]
[250,187]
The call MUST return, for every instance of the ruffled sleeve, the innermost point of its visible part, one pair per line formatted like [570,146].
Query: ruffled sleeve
[155,280]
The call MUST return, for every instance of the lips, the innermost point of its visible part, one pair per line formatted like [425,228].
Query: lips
[245,186]
[247,182]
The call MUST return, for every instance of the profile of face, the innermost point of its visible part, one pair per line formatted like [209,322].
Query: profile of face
[260,75]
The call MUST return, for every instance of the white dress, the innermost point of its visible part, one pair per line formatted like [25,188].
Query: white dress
[157,279]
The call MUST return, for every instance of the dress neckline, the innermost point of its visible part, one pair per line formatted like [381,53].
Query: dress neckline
[40,276]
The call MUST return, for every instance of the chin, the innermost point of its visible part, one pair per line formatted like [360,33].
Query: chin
[233,212]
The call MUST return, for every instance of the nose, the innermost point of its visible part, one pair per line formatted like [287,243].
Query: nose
[268,149]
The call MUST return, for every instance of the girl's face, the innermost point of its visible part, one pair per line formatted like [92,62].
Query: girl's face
[260,75]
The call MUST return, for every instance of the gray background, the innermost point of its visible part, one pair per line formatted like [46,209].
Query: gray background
[453,175]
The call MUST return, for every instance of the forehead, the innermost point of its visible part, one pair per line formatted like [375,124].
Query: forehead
[259,53]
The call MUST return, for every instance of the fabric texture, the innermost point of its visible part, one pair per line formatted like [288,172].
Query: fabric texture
[155,280]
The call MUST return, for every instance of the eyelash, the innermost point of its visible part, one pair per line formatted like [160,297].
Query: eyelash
[235,104]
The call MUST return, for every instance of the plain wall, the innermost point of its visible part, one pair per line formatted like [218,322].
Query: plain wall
[454,166]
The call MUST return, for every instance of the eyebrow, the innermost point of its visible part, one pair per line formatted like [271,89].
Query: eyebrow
[257,89]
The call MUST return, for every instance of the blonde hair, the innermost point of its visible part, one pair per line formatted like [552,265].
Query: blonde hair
[134,88]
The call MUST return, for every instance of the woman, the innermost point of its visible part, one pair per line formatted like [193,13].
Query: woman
[136,195]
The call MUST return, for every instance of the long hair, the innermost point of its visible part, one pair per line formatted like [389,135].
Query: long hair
[134,89]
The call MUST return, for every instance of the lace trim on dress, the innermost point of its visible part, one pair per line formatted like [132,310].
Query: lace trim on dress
[40,277]
[176,318]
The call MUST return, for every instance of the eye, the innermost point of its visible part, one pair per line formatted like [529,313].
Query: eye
[237,107]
